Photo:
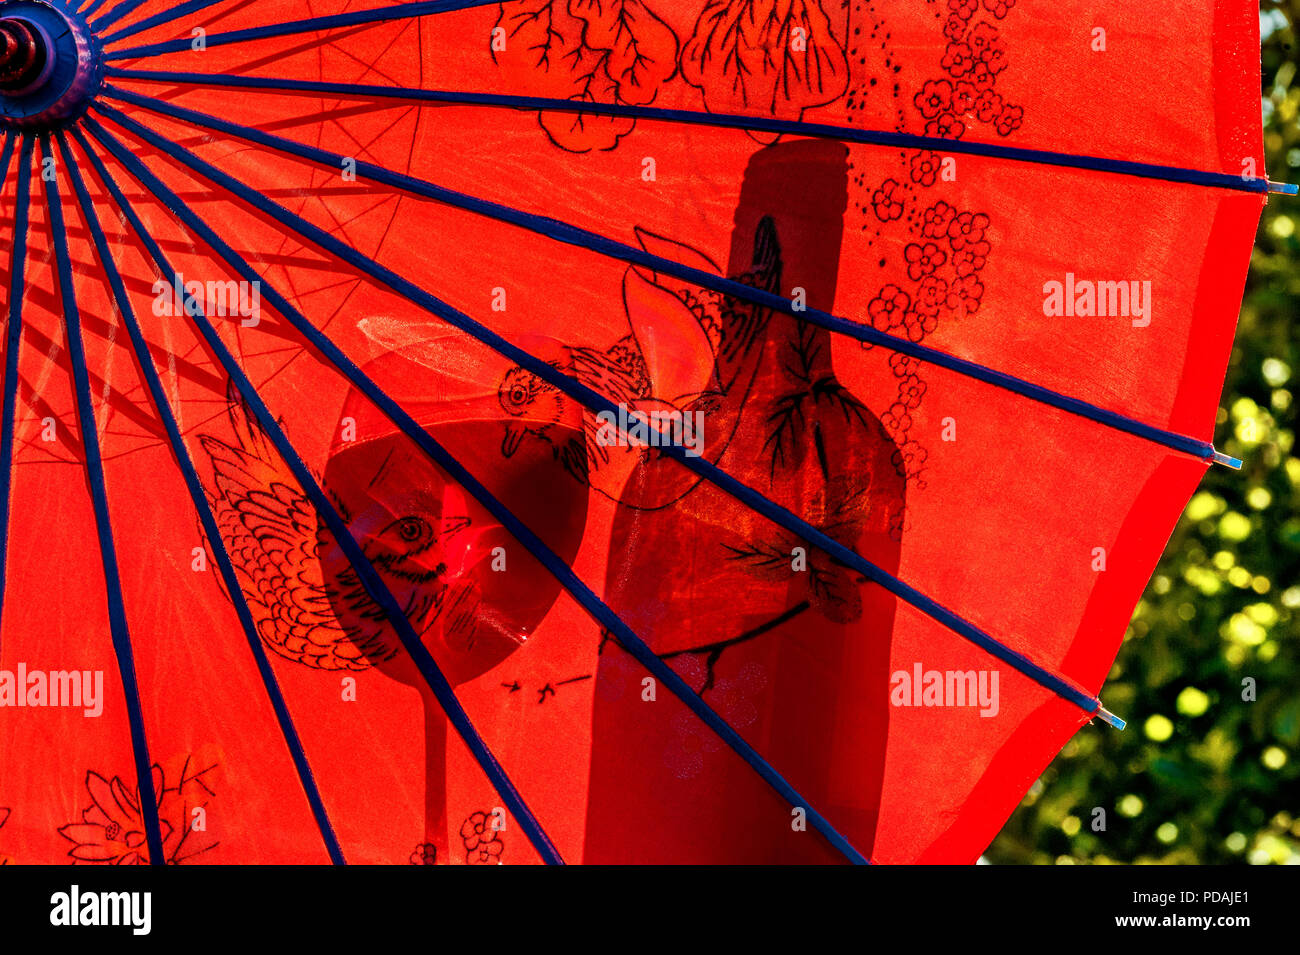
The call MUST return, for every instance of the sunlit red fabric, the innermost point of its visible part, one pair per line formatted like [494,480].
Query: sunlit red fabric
[989,503]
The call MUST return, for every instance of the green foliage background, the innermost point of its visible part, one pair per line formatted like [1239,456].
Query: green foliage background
[1201,776]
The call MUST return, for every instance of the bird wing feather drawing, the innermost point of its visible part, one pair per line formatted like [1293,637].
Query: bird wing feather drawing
[274,539]
[689,348]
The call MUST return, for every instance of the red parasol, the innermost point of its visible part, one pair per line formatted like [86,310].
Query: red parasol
[602,430]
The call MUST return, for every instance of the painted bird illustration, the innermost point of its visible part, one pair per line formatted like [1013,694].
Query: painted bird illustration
[431,544]
[689,349]
[309,605]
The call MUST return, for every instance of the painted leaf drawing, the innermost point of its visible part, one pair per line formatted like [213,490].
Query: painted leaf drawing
[778,56]
[591,51]
[641,50]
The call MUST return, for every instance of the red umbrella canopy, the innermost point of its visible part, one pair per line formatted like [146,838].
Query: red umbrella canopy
[602,430]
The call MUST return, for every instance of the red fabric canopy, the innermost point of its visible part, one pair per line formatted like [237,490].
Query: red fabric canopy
[1030,521]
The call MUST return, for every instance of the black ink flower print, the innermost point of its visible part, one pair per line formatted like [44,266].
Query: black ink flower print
[426,853]
[482,841]
[112,830]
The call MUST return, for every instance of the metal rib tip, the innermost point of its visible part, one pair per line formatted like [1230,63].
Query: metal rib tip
[1228,460]
[1110,717]
[1283,188]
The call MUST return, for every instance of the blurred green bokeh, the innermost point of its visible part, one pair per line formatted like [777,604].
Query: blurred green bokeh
[1201,775]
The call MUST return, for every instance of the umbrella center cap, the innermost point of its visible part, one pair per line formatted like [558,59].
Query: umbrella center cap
[50,65]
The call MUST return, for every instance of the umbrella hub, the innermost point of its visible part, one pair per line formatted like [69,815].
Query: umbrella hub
[50,65]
